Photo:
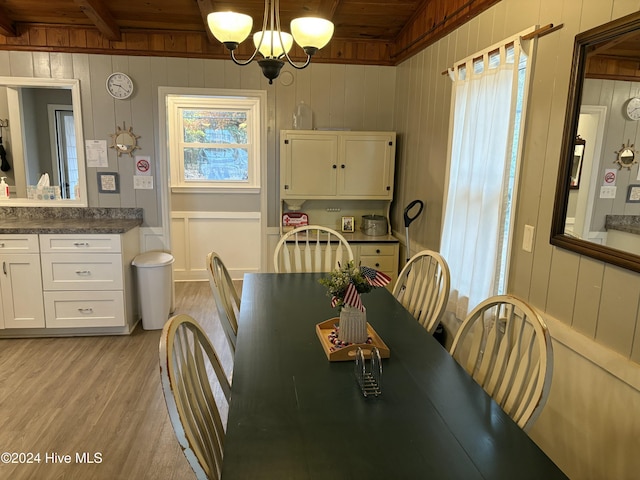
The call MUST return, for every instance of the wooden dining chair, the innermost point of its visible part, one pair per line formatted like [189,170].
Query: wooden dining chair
[225,296]
[311,248]
[187,360]
[423,288]
[505,346]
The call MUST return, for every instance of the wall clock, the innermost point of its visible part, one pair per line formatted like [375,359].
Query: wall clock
[632,109]
[119,85]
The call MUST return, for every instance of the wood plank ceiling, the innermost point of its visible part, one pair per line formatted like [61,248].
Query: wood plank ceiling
[372,32]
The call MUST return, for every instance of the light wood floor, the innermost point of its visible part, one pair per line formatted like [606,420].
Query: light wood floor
[99,395]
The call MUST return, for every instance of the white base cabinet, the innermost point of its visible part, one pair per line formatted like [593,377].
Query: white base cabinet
[20,286]
[70,284]
[379,256]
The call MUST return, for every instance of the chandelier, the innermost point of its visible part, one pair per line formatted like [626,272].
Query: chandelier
[231,28]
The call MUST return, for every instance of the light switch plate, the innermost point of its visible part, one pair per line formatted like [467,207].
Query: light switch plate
[141,182]
[527,241]
[607,192]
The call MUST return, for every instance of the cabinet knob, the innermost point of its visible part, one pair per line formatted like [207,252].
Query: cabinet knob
[286,187]
[377,264]
[334,166]
[1,245]
[342,166]
[378,250]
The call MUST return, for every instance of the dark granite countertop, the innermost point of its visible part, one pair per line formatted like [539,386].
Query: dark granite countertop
[68,220]
[623,223]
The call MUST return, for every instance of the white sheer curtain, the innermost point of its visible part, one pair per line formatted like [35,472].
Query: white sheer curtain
[483,112]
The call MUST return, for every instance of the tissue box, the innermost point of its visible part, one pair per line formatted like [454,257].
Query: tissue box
[43,193]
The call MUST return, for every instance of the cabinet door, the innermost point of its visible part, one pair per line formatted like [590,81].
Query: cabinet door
[366,165]
[22,303]
[309,165]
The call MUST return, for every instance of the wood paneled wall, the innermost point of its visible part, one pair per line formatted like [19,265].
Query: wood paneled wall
[596,303]
[358,97]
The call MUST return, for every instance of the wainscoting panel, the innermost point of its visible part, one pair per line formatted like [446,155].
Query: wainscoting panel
[235,236]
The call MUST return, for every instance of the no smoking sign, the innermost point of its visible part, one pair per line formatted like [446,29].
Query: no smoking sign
[143,165]
[610,176]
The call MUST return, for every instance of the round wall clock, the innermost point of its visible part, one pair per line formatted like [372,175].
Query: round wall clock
[119,85]
[632,109]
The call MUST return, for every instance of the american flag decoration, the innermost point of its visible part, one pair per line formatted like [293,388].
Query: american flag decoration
[352,298]
[374,277]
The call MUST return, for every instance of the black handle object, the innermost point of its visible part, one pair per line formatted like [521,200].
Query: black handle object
[5,167]
[407,218]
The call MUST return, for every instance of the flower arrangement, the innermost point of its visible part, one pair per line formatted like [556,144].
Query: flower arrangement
[345,284]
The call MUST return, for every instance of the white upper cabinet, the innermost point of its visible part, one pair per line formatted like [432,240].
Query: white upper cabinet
[330,165]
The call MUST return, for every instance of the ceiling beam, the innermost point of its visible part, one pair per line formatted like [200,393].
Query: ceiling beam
[96,11]
[206,7]
[327,8]
[7,28]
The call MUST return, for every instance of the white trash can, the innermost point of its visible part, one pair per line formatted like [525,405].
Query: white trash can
[155,287]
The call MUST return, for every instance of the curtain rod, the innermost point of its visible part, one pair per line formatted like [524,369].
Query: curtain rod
[540,32]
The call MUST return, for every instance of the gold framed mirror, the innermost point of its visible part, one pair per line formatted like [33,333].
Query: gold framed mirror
[603,54]
[124,140]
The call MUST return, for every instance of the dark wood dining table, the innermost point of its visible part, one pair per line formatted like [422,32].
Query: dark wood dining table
[296,415]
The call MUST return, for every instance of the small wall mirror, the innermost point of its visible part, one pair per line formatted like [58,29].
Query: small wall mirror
[626,157]
[592,206]
[124,141]
[43,135]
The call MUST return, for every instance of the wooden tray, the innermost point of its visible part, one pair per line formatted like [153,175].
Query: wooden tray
[341,354]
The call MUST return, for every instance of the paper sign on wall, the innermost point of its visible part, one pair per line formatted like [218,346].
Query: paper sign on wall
[96,153]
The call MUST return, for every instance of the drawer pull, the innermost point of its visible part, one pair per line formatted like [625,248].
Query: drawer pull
[86,310]
[377,265]
[1,245]
[377,250]
[81,244]
[83,272]
[4,267]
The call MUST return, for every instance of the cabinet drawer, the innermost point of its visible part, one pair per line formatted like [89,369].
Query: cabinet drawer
[84,309]
[382,263]
[377,249]
[16,243]
[66,271]
[80,243]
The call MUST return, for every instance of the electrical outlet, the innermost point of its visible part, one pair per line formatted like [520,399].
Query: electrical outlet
[527,241]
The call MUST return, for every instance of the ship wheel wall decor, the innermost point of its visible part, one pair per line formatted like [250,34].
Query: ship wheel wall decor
[124,140]
[626,156]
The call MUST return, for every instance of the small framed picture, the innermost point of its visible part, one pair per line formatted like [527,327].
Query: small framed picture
[108,182]
[347,224]
[633,194]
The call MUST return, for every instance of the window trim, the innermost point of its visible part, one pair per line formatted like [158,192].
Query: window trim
[175,103]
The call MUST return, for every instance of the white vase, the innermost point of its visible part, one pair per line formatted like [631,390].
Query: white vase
[353,325]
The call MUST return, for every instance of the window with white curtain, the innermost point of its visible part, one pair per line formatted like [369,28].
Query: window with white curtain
[487,116]
[214,143]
